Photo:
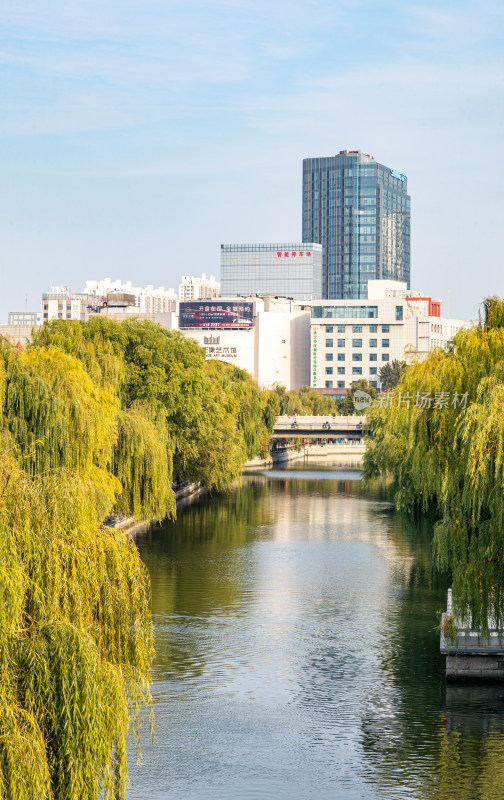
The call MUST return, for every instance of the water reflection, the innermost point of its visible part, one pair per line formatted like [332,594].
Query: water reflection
[297,656]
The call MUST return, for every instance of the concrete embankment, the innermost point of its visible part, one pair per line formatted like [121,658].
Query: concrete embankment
[184,495]
[335,454]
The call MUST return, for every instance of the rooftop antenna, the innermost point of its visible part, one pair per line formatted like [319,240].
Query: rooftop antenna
[26,303]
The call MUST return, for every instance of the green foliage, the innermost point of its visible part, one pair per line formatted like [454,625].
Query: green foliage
[347,406]
[181,417]
[391,373]
[75,637]
[451,459]
[95,417]
[305,401]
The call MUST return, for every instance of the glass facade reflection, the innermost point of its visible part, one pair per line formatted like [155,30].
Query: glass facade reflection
[281,269]
[359,210]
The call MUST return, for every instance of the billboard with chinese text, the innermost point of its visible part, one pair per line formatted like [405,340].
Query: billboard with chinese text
[215,314]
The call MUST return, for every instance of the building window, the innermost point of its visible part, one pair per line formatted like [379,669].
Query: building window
[328,385]
[341,342]
[384,356]
[328,357]
[373,329]
[329,343]
[345,312]
[385,342]
[385,328]
[328,371]
[374,383]
[341,370]
[341,356]
[356,370]
[357,328]
[399,313]
[341,328]
[356,342]
[328,328]
[356,356]
[373,370]
[373,357]
[341,384]
[373,342]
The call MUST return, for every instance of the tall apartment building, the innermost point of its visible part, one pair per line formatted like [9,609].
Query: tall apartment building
[281,269]
[352,339]
[194,288]
[359,211]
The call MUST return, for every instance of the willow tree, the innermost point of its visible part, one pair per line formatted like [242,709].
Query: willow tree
[441,437]
[75,630]
[180,417]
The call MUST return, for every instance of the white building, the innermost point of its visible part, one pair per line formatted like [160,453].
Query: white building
[193,288]
[267,336]
[352,339]
[24,317]
[147,299]
[59,303]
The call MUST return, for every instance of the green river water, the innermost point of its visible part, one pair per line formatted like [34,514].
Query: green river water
[297,655]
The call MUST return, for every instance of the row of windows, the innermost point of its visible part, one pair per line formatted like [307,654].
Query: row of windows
[341,384]
[357,357]
[341,371]
[357,343]
[357,328]
[326,312]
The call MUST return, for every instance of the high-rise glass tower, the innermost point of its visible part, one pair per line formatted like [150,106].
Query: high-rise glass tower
[359,211]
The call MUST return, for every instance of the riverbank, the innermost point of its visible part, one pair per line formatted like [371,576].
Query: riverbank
[184,496]
[335,454]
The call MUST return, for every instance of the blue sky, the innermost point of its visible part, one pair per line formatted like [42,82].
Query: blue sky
[138,136]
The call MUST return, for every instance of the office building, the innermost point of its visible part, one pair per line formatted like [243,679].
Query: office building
[359,211]
[195,288]
[352,339]
[282,269]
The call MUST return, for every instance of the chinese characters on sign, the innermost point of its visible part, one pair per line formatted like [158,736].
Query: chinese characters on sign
[294,254]
[220,352]
[423,400]
[216,314]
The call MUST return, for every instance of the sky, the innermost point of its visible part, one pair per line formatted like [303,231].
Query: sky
[136,137]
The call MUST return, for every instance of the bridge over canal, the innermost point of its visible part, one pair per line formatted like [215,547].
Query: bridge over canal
[328,427]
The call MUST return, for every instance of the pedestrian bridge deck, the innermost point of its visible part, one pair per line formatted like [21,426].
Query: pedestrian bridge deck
[327,427]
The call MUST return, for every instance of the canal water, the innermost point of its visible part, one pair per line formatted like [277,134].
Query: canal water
[297,655]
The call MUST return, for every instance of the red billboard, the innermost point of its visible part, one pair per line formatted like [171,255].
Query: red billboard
[215,314]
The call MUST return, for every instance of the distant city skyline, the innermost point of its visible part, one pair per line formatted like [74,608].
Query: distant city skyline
[138,138]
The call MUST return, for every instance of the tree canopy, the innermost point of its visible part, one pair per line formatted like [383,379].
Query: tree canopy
[391,373]
[441,436]
[304,401]
[96,417]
